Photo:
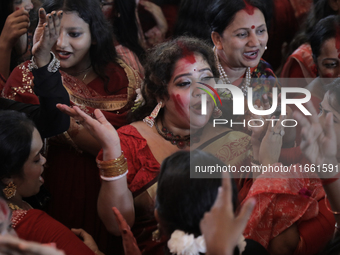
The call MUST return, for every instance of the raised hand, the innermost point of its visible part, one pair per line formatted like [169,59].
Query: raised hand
[46,35]
[156,34]
[222,231]
[319,142]
[99,128]
[15,26]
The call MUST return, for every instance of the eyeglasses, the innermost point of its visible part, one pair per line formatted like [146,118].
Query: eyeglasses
[104,3]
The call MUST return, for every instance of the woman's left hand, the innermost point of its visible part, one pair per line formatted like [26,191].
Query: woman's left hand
[46,35]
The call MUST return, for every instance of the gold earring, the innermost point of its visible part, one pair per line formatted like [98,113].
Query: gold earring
[150,120]
[10,190]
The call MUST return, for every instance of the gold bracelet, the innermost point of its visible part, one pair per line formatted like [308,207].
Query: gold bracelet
[114,171]
[117,161]
[329,209]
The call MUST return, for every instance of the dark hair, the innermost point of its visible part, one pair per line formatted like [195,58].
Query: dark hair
[325,29]
[320,9]
[16,132]
[181,201]
[102,52]
[222,12]
[125,26]
[159,67]
[191,20]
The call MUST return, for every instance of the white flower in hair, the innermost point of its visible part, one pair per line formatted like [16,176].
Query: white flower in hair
[139,100]
[181,243]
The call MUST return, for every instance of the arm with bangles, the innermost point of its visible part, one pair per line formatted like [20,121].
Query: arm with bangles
[114,191]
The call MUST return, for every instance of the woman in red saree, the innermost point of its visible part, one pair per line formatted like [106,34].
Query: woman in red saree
[94,78]
[174,72]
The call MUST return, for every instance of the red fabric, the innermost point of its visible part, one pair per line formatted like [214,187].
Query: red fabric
[142,165]
[300,61]
[72,178]
[281,202]
[39,227]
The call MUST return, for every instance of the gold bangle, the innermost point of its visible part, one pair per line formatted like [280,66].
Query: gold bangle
[114,171]
[329,209]
[120,160]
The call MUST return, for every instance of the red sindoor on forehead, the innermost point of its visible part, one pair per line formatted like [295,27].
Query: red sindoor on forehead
[337,41]
[187,54]
[252,27]
[249,8]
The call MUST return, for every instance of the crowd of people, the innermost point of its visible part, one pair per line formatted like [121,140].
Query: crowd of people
[103,126]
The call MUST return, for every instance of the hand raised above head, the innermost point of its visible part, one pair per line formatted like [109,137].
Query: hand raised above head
[99,128]
[46,35]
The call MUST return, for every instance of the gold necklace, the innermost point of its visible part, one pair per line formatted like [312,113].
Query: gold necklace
[14,207]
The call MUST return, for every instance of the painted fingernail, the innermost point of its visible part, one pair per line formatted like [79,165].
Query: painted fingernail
[54,14]
[46,25]
[50,17]
[61,14]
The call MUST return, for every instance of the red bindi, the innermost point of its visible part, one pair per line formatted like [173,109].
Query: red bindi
[252,27]
[249,8]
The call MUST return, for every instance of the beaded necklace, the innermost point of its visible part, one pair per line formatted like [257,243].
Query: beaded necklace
[181,142]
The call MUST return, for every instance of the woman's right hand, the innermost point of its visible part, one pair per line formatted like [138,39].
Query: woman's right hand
[45,36]
[99,128]
[15,26]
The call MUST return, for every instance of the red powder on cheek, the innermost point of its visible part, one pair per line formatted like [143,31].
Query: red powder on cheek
[252,27]
[17,8]
[178,104]
[249,9]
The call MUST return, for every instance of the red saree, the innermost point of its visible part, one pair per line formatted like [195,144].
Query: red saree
[71,177]
[35,225]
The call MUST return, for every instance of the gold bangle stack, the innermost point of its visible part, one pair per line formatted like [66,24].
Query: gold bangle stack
[112,168]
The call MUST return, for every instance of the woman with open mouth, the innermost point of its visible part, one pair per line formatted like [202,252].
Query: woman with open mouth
[239,33]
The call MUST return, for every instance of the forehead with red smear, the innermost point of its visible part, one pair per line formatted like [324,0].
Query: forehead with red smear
[188,55]
[337,41]
[249,8]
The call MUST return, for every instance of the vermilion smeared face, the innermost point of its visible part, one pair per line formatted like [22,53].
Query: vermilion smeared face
[328,62]
[184,105]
